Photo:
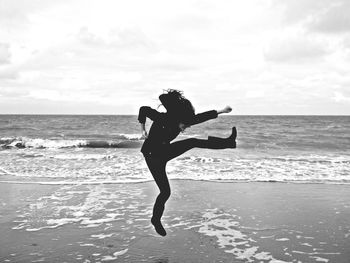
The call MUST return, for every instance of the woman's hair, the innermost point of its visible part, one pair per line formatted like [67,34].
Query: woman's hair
[179,106]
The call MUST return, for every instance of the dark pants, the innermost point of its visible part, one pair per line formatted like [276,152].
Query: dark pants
[157,166]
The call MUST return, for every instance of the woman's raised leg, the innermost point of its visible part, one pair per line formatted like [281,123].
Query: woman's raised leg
[180,147]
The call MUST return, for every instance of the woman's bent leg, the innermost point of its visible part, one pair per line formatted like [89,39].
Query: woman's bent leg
[157,168]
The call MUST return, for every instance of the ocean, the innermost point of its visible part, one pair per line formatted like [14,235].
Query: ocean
[77,189]
[95,149]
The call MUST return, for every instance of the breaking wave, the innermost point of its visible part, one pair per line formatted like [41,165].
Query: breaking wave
[124,141]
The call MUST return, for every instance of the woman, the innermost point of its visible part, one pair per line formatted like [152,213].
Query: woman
[158,150]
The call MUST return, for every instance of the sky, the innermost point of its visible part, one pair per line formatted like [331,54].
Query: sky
[111,57]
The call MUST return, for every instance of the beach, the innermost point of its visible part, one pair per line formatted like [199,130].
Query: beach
[205,222]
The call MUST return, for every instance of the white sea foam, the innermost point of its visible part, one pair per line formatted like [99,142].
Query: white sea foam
[108,258]
[320,259]
[282,239]
[226,229]
[92,212]
[81,156]
[45,143]
[93,206]
[132,136]
[119,253]
[110,165]
[54,143]
[101,236]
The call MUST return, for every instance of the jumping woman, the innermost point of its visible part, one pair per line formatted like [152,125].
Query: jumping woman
[158,150]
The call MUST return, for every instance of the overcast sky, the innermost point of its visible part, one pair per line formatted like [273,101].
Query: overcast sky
[111,57]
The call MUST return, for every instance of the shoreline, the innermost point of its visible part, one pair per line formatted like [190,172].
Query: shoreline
[301,182]
[205,221]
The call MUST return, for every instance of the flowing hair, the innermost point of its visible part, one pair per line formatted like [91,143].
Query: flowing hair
[178,105]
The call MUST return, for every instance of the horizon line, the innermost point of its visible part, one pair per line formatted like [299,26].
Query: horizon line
[109,114]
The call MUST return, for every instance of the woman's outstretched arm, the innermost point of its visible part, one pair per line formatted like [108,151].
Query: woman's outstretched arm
[208,115]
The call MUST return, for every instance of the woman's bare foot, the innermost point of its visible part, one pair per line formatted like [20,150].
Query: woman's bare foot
[233,136]
[158,227]
[234,133]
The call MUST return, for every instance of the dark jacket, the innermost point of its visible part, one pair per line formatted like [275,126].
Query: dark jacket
[165,128]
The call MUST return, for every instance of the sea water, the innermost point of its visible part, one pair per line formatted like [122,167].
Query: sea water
[94,149]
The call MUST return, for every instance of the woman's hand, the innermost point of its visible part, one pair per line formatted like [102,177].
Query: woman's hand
[227,109]
[144,134]
[143,131]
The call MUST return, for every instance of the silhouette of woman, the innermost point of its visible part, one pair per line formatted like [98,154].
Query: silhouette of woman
[158,150]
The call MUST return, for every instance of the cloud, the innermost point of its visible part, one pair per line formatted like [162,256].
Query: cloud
[8,73]
[339,97]
[15,15]
[5,54]
[88,38]
[10,92]
[335,19]
[346,42]
[295,49]
[254,94]
[131,38]
[190,22]
[125,38]
[128,48]
[299,11]
[323,16]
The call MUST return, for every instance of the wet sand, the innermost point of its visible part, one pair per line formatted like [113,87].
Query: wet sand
[205,221]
